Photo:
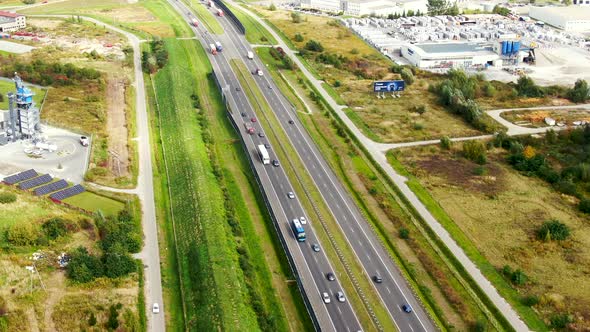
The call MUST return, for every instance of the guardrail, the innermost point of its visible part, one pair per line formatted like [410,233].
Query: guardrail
[268,204]
[231,15]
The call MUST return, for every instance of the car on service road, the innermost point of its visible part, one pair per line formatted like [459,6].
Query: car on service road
[156,308]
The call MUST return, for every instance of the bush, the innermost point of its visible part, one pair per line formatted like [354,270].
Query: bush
[92,319]
[580,92]
[7,197]
[404,233]
[566,187]
[560,321]
[22,234]
[480,170]
[526,87]
[418,126]
[407,76]
[84,267]
[29,2]
[446,143]
[314,46]
[584,205]
[420,109]
[530,300]
[296,17]
[298,38]
[475,151]
[113,321]
[518,277]
[118,265]
[54,228]
[553,230]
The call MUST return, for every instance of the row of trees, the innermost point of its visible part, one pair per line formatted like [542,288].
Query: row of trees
[579,93]
[120,236]
[442,7]
[46,73]
[156,58]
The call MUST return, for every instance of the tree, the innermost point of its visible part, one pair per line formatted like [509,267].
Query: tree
[272,7]
[296,17]
[553,230]
[584,205]
[22,234]
[407,76]
[298,37]
[83,267]
[314,46]
[580,92]
[54,228]
[437,7]
[113,322]
[526,87]
[118,265]
[453,10]
[404,233]
[501,10]
[92,319]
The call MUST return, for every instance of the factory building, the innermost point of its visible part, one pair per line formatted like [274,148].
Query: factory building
[21,120]
[332,6]
[11,21]
[571,19]
[382,7]
[451,55]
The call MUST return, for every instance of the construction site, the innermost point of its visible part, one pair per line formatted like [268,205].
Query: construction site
[502,47]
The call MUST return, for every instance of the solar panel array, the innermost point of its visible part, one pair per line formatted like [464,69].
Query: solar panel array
[51,187]
[69,192]
[34,182]
[28,174]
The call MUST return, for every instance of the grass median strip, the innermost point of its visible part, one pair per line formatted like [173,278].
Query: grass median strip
[357,285]
[205,17]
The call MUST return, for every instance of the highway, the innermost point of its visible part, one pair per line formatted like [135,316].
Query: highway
[310,266]
[394,291]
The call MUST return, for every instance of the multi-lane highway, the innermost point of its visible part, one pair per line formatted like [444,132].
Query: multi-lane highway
[311,266]
[394,291]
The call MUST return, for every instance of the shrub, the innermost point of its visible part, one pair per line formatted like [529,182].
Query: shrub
[314,46]
[83,267]
[489,90]
[92,319]
[7,197]
[272,7]
[475,151]
[553,230]
[354,51]
[526,87]
[480,170]
[418,126]
[22,234]
[420,109]
[404,233]
[113,321]
[518,277]
[580,92]
[54,228]
[298,38]
[584,205]
[560,321]
[530,300]
[118,265]
[296,17]
[446,143]
[567,187]
[479,326]
[407,76]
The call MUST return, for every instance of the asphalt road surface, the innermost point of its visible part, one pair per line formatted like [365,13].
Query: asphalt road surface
[394,291]
[310,266]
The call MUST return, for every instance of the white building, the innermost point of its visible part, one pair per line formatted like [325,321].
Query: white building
[382,7]
[572,18]
[333,6]
[11,21]
[450,55]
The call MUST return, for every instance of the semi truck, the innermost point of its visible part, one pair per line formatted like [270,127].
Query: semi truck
[218,46]
[219,12]
[194,22]
[263,154]
[213,49]
[250,55]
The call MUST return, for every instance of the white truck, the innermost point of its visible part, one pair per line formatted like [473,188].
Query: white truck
[263,153]
[250,55]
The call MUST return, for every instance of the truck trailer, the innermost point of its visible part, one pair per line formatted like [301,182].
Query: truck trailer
[213,49]
[263,154]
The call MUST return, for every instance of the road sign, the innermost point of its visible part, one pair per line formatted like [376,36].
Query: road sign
[389,86]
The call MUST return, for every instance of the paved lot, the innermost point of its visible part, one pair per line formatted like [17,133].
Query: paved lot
[68,162]
[11,47]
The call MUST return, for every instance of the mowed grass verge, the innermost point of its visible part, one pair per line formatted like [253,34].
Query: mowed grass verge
[205,16]
[255,33]
[210,278]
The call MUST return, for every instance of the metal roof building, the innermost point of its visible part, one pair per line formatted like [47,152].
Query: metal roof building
[450,55]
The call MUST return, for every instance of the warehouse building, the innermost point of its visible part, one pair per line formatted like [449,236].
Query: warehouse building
[451,55]
[382,7]
[332,6]
[571,19]
[11,21]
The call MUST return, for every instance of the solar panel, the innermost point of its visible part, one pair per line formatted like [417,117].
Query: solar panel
[28,174]
[69,192]
[34,182]
[51,187]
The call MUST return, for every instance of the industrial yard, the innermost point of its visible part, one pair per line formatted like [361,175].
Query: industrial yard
[478,42]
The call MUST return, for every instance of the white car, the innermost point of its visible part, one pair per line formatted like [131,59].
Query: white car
[156,308]
[326,297]
[303,220]
[291,195]
[340,297]
[84,140]
[259,72]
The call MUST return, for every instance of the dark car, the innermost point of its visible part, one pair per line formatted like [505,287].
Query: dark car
[260,134]
[243,114]
[406,307]
[330,276]
[291,122]
[377,278]
[267,146]
[275,163]
[315,247]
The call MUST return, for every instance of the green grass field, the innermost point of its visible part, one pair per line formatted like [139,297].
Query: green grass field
[92,202]
[255,33]
[205,16]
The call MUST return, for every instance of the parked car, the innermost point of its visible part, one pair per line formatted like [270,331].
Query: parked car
[267,146]
[84,140]
[253,119]
[260,134]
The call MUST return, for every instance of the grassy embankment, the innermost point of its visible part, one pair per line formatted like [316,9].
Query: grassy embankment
[421,262]
[348,270]
[255,33]
[240,275]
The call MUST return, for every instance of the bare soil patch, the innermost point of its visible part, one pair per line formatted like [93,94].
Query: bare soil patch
[117,127]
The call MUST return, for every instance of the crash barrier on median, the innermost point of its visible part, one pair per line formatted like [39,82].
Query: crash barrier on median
[275,221]
[231,15]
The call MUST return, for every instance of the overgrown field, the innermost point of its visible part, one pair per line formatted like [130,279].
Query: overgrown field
[49,300]
[496,215]
[255,33]
[536,119]
[223,276]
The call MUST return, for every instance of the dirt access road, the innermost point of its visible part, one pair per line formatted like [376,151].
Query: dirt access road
[117,126]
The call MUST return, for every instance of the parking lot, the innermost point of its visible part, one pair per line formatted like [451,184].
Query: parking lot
[65,158]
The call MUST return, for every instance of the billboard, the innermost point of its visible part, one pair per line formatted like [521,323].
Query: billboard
[389,86]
